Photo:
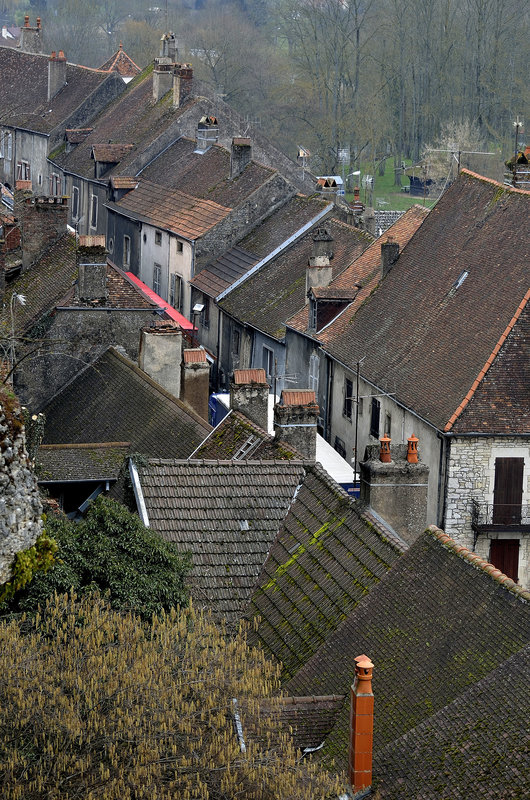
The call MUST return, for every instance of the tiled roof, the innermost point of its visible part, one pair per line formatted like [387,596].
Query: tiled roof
[224,271]
[297,397]
[121,292]
[236,437]
[80,462]
[112,400]
[207,175]
[274,293]
[77,135]
[123,182]
[325,560]
[194,356]
[477,746]
[282,224]
[227,514]
[309,719]
[500,403]
[159,302]
[24,90]
[441,620]
[121,63]
[453,290]
[43,285]
[256,375]
[110,153]
[364,271]
[171,210]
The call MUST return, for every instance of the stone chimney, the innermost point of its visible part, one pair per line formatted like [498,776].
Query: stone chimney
[395,486]
[361,726]
[240,156]
[295,421]
[389,255]
[182,83]
[168,46]
[161,355]
[92,270]
[249,394]
[42,222]
[31,38]
[195,381]
[319,272]
[56,73]
[163,72]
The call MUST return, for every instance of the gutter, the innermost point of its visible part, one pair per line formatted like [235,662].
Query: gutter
[138,494]
[283,246]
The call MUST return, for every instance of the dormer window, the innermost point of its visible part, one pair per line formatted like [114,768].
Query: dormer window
[313,314]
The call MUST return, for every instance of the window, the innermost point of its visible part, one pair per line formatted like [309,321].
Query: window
[388,425]
[23,171]
[55,185]
[75,202]
[180,247]
[374,419]
[236,341]
[205,317]
[504,554]
[94,212]
[126,250]
[268,361]
[340,447]
[314,367]
[508,491]
[157,274]
[348,399]
[9,147]
[158,238]
[312,315]
[175,291]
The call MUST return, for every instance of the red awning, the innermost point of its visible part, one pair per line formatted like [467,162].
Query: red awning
[175,315]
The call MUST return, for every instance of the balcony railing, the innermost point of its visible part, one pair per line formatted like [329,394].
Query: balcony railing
[501,514]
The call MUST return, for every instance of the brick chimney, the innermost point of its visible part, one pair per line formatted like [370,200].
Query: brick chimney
[161,355]
[31,37]
[295,421]
[56,73]
[42,222]
[249,394]
[182,83]
[395,487]
[389,255]
[361,726]
[240,156]
[319,272]
[92,270]
[195,381]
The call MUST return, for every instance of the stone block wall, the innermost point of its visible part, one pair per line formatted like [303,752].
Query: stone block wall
[20,505]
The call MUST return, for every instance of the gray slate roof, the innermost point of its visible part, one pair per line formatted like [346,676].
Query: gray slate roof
[227,514]
[112,400]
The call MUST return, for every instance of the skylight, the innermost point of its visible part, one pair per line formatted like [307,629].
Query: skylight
[458,283]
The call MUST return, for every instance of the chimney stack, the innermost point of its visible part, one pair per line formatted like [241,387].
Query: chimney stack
[92,270]
[249,394]
[295,421]
[240,156]
[361,726]
[319,272]
[42,222]
[163,66]
[389,255]
[161,355]
[195,381]
[168,46]
[182,82]
[31,38]
[395,486]
[2,269]
[56,73]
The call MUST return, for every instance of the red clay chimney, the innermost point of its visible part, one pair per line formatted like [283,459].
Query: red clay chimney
[26,20]
[384,452]
[412,450]
[361,725]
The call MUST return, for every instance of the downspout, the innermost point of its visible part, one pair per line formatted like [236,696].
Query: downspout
[192,276]
[329,393]
[443,470]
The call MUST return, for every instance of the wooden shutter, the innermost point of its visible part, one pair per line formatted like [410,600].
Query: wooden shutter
[504,554]
[508,491]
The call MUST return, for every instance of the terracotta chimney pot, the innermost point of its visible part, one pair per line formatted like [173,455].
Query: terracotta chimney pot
[384,452]
[39,23]
[361,725]
[26,20]
[412,452]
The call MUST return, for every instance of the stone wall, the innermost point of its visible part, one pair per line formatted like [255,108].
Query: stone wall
[20,505]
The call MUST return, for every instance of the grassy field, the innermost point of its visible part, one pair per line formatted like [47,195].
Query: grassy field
[386,195]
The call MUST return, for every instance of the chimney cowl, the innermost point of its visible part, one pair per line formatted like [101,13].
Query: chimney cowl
[384,453]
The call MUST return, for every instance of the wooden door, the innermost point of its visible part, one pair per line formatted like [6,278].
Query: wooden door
[508,491]
[504,554]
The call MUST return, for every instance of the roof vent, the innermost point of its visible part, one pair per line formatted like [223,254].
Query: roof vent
[460,280]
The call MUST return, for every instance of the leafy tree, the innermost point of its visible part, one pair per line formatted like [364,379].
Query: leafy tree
[113,551]
[97,705]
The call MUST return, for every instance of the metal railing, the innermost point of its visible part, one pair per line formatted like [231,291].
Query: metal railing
[507,514]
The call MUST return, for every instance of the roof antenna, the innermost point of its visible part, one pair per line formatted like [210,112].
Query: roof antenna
[167,22]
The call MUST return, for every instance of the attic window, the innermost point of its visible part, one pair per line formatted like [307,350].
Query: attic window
[458,283]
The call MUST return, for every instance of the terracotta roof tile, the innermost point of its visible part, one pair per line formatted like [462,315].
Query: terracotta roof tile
[257,375]
[466,268]
[121,63]
[77,135]
[175,211]
[110,153]
[195,356]
[123,182]
[297,397]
